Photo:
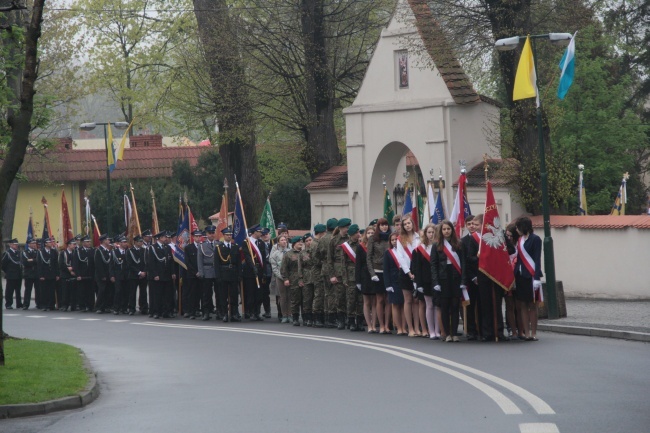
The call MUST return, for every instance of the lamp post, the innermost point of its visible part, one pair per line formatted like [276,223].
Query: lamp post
[508,44]
[90,127]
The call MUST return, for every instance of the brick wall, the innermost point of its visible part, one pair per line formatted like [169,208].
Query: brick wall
[146,141]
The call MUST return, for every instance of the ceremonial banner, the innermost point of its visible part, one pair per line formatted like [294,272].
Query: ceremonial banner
[223,216]
[182,234]
[193,224]
[110,149]
[154,215]
[621,198]
[240,230]
[267,220]
[120,149]
[46,223]
[494,260]
[461,208]
[389,212]
[66,226]
[30,226]
[96,232]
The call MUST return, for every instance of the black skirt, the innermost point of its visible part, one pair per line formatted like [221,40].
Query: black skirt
[524,292]
[451,286]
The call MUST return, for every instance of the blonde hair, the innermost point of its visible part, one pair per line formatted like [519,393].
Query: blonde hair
[423,235]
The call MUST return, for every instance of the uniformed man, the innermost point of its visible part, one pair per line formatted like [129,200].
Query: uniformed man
[206,273]
[146,239]
[13,275]
[326,271]
[192,291]
[291,271]
[119,271]
[339,236]
[470,243]
[102,274]
[160,275]
[48,273]
[30,273]
[252,270]
[317,278]
[227,265]
[83,264]
[307,279]
[265,248]
[354,299]
[68,277]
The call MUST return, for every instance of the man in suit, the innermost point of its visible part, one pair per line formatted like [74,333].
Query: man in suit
[30,273]
[119,271]
[192,292]
[205,271]
[160,275]
[83,264]
[68,277]
[137,276]
[471,242]
[252,271]
[48,273]
[227,265]
[102,274]
[13,275]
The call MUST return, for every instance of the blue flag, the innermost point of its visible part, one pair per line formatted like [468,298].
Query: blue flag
[182,235]
[239,229]
[408,203]
[30,230]
[568,67]
[438,211]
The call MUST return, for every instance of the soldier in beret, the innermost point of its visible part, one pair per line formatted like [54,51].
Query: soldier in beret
[291,271]
[354,300]
[334,251]
[307,279]
[317,278]
[326,272]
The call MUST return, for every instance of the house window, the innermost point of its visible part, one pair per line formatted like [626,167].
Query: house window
[402,63]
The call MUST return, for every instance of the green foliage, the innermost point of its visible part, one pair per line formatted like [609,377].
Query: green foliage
[279,162]
[290,202]
[37,371]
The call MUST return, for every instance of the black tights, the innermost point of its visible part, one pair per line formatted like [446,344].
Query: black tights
[449,308]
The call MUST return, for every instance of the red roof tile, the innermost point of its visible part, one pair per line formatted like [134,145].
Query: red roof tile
[88,165]
[334,177]
[502,172]
[595,221]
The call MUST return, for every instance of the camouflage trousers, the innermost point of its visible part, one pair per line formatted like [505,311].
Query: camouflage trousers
[340,293]
[330,297]
[301,298]
[318,304]
[354,301]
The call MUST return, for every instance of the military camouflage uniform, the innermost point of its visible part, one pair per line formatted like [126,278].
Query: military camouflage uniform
[307,263]
[323,301]
[337,291]
[354,299]
[291,270]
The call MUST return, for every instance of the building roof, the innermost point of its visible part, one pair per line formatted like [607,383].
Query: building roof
[436,44]
[595,221]
[89,165]
[333,177]
[502,172]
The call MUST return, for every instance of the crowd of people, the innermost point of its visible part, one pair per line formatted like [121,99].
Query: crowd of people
[384,278]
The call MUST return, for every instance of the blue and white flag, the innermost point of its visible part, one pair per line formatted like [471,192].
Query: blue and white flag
[239,229]
[30,228]
[438,211]
[568,67]
[182,235]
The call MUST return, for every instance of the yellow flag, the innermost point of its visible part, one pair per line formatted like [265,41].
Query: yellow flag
[110,152]
[526,78]
[120,150]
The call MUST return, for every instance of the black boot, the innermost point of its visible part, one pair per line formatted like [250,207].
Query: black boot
[296,320]
[360,323]
[318,322]
[309,322]
[340,322]
[352,324]
[329,321]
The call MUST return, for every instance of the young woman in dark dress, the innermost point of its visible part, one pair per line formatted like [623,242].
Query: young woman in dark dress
[528,273]
[422,271]
[377,246]
[392,273]
[448,276]
[364,282]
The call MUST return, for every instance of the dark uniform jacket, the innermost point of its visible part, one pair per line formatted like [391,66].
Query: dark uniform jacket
[83,263]
[102,263]
[227,262]
[30,270]
[532,245]
[11,265]
[118,268]
[48,264]
[252,266]
[471,254]
[135,262]
[191,260]
[159,262]
[421,268]
[361,274]
[65,261]
[439,267]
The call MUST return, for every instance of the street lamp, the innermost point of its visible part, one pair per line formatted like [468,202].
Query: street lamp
[508,44]
[89,127]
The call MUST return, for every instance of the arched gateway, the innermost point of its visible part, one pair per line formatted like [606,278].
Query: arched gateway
[414,97]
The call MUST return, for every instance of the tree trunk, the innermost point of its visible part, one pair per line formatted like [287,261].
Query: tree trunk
[20,121]
[321,151]
[236,139]
[9,210]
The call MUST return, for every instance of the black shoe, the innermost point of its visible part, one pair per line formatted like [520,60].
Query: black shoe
[186,315]
[100,311]
[267,315]
[150,314]
[9,307]
[131,313]
[296,322]
[192,317]
[235,319]
[318,323]
[247,316]
[504,338]
[25,308]
[116,313]
[155,316]
[257,318]
[144,311]
[471,337]
[225,319]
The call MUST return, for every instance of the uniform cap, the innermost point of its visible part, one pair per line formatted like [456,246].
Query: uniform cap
[282,226]
[227,230]
[332,223]
[13,241]
[319,228]
[265,231]
[102,237]
[137,239]
[354,229]
[210,229]
[197,233]
[85,238]
[146,233]
[373,222]
[344,222]
[71,241]
[296,239]
[306,236]
[31,240]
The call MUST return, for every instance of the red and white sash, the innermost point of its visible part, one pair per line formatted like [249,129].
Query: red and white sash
[365,248]
[526,259]
[404,256]
[345,246]
[477,237]
[394,256]
[452,256]
[422,250]
[256,250]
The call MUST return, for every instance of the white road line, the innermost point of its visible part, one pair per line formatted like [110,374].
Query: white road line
[36,317]
[538,427]
[62,318]
[117,321]
[90,320]
[507,406]
[10,315]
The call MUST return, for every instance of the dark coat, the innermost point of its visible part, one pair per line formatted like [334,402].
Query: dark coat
[102,264]
[160,262]
[65,261]
[48,264]
[391,271]
[30,270]
[227,262]
[83,262]
[11,265]
[191,260]
[439,274]
[421,268]
[119,269]
[361,274]
[533,246]
[471,255]
[135,262]
[252,266]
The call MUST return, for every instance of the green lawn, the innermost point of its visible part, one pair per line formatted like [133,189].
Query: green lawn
[37,371]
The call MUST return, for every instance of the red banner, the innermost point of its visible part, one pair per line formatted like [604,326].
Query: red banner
[66,226]
[494,260]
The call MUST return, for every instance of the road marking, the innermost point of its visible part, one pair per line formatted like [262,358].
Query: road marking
[36,317]
[117,320]
[62,318]
[506,404]
[538,427]
[90,320]
[11,315]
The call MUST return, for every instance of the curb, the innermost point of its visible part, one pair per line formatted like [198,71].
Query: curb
[83,398]
[596,332]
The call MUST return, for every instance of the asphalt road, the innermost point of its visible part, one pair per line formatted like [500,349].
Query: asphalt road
[181,375]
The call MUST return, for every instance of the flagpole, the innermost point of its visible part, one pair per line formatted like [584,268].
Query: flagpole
[250,250]
[135,209]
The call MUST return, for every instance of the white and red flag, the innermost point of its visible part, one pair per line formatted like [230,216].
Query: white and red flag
[461,208]
[494,260]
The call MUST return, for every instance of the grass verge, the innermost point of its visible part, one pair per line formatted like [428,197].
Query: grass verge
[37,371]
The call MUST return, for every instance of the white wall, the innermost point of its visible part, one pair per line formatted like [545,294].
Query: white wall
[328,203]
[602,263]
